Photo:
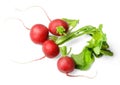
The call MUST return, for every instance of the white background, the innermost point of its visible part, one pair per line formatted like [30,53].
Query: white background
[15,44]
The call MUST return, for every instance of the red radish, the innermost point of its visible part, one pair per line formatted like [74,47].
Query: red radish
[56,23]
[66,64]
[50,49]
[39,33]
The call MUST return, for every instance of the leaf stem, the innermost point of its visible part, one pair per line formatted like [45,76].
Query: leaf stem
[63,50]
[81,31]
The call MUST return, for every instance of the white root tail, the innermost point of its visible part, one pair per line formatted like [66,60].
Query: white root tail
[28,61]
[85,76]
[9,18]
[35,7]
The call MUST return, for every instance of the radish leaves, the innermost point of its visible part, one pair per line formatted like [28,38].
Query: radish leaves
[71,22]
[96,47]
[83,60]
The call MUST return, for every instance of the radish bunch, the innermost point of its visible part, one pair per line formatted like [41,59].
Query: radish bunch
[39,34]
[58,32]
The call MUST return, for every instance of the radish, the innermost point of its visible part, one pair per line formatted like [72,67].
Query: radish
[66,64]
[58,27]
[39,33]
[50,49]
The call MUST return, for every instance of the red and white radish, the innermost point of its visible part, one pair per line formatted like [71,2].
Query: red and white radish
[39,33]
[50,49]
[54,24]
[66,64]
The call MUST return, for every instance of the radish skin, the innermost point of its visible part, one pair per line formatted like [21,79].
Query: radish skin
[39,33]
[50,49]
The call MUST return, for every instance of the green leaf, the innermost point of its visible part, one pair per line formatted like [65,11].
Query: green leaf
[60,30]
[105,45]
[98,43]
[107,52]
[84,60]
[98,56]
[97,50]
[100,26]
[98,40]
[72,22]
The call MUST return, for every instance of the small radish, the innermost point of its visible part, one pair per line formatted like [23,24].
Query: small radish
[39,33]
[66,64]
[50,49]
[58,27]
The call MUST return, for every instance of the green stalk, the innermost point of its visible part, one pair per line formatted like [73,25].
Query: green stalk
[81,31]
[63,50]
